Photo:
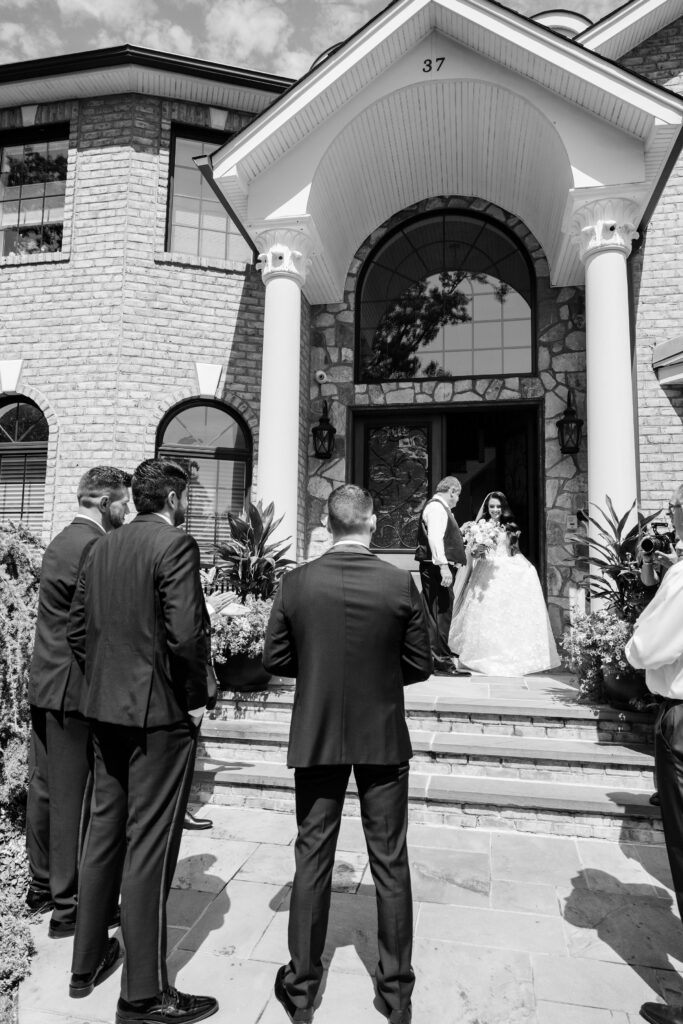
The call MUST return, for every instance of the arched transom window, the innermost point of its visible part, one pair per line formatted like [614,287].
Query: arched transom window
[214,442]
[23,462]
[448,295]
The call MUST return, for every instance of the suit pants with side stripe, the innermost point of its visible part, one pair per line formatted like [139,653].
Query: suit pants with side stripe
[383,794]
[141,783]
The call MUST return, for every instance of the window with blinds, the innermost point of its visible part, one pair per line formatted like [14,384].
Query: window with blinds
[23,463]
[215,447]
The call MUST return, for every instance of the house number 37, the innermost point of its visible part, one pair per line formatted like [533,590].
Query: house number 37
[429,65]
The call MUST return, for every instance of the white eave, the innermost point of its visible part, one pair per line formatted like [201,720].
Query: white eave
[632,24]
[130,69]
[510,40]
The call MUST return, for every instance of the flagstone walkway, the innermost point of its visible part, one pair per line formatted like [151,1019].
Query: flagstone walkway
[509,929]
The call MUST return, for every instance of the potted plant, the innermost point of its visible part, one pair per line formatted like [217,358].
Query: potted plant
[252,566]
[594,647]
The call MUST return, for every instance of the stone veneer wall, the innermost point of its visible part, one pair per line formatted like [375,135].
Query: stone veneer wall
[657,274]
[561,364]
[109,329]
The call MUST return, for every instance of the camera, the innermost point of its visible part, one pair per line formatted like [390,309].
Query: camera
[320,377]
[649,545]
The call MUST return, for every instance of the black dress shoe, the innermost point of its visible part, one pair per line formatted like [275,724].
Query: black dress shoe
[192,822]
[658,1013]
[295,1014]
[39,901]
[63,929]
[83,984]
[655,800]
[169,1007]
[449,670]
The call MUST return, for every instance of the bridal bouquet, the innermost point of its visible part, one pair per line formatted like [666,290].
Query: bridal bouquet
[480,537]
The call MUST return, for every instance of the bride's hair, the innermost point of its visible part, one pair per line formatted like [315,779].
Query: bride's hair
[507,520]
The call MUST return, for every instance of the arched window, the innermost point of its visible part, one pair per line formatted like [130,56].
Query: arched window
[215,443]
[23,462]
[447,295]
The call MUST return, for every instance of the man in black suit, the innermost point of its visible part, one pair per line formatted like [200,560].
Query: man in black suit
[139,628]
[60,735]
[351,629]
[440,553]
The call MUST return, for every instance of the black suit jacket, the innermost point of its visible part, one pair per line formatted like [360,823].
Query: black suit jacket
[139,626]
[351,629]
[56,680]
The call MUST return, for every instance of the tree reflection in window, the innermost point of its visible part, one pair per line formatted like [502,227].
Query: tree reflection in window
[446,296]
[398,479]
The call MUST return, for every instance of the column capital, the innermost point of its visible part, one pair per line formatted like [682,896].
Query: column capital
[605,224]
[284,251]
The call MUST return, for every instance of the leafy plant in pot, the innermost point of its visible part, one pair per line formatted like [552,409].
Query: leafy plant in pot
[594,644]
[253,565]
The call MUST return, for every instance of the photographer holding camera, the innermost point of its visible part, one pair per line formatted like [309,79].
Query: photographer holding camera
[657,646]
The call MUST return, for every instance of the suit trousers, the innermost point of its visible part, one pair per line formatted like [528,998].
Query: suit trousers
[69,765]
[438,606]
[669,776]
[37,804]
[383,793]
[141,784]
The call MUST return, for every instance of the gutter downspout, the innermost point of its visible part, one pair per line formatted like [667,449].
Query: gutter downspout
[205,168]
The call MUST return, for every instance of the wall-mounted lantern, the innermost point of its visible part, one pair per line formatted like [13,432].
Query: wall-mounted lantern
[569,428]
[323,436]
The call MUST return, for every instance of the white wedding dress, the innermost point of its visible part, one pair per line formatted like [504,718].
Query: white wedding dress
[502,627]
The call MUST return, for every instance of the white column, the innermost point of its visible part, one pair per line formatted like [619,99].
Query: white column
[283,261]
[604,230]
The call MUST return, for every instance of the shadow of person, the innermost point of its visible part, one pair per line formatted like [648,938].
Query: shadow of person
[610,920]
[199,901]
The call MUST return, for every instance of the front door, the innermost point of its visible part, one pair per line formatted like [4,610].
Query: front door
[401,456]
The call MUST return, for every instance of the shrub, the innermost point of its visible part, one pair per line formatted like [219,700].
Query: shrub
[240,629]
[254,564]
[20,558]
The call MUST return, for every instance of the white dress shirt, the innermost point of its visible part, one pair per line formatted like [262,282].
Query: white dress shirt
[435,518]
[657,642]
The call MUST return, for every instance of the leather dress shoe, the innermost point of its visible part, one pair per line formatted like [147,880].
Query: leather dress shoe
[39,901]
[295,1013]
[169,1007]
[192,822]
[658,1013]
[83,984]
[443,669]
[64,929]
[655,800]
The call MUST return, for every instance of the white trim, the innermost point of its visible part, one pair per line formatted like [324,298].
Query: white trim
[629,26]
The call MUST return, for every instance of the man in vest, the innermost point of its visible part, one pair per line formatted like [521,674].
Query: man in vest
[440,553]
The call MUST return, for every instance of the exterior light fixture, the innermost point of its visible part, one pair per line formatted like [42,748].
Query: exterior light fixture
[323,436]
[569,428]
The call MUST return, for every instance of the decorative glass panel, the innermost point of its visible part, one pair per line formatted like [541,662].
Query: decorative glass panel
[398,479]
[448,282]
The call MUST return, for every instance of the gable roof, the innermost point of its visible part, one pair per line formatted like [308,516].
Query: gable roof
[629,26]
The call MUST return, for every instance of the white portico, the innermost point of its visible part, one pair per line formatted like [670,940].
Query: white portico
[438,98]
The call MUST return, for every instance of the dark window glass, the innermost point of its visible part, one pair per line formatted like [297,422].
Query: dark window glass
[448,295]
[397,472]
[198,224]
[32,187]
[215,447]
[23,463]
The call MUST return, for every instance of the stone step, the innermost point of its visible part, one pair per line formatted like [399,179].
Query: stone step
[592,811]
[544,759]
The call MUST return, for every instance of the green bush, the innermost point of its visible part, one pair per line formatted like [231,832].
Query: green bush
[21,554]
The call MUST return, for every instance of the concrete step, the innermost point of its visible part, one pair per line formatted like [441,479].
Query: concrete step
[544,759]
[603,812]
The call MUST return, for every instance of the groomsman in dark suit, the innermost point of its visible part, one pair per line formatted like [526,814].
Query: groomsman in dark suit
[440,553]
[351,629]
[60,735]
[139,628]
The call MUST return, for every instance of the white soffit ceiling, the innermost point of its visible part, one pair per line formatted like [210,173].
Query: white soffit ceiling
[633,23]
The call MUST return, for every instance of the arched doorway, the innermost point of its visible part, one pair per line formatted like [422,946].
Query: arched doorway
[24,435]
[215,443]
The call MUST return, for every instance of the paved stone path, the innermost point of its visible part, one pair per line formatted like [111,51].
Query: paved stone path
[509,929]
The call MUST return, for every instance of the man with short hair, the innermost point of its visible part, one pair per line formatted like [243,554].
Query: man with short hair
[60,750]
[440,553]
[139,628]
[657,646]
[351,629]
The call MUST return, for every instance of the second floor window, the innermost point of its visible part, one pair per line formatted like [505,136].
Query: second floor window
[197,223]
[32,186]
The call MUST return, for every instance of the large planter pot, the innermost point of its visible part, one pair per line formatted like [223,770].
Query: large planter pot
[240,672]
[622,685]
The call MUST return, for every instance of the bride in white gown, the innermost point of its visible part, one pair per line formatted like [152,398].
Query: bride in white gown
[500,624]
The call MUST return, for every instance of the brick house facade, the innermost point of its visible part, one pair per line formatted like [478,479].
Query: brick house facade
[109,334]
